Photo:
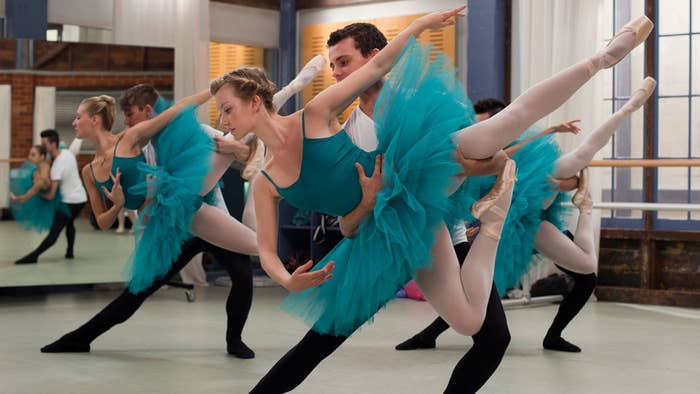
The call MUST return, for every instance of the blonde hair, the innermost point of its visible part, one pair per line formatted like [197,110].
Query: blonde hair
[103,106]
[246,83]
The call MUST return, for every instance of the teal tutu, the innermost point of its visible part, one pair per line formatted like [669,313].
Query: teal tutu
[535,163]
[37,213]
[418,110]
[184,152]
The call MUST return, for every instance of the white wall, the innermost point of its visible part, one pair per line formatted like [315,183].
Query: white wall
[5,141]
[244,25]
[386,9]
[92,13]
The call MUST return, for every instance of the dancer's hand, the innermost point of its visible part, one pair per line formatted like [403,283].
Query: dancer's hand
[302,279]
[19,199]
[566,184]
[116,195]
[231,146]
[440,19]
[481,167]
[370,185]
[566,127]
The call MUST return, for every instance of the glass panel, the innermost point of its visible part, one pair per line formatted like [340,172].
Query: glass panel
[673,188]
[696,63]
[629,138]
[695,127]
[673,65]
[628,188]
[673,16]
[673,127]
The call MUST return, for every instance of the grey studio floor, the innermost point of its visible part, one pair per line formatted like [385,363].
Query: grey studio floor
[172,346]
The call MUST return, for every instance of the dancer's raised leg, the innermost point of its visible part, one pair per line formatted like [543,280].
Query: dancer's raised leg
[483,139]
[572,162]
[222,230]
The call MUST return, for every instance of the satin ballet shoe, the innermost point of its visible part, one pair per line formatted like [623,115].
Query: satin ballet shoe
[641,95]
[582,198]
[487,206]
[640,27]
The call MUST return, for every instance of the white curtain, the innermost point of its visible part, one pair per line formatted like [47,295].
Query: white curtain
[44,111]
[548,36]
[179,24]
[5,141]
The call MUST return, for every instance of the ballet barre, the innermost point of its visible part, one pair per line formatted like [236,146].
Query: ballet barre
[645,163]
[12,160]
[643,206]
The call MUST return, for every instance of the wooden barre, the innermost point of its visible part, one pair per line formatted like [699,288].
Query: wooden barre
[646,163]
[12,160]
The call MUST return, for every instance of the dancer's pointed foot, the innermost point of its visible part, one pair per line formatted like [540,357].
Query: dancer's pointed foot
[582,198]
[629,37]
[240,350]
[66,345]
[560,344]
[416,342]
[28,259]
[641,95]
[492,209]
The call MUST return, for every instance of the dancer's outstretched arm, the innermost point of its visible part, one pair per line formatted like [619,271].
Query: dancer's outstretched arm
[266,207]
[74,147]
[566,127]
[142,132]
[333,100]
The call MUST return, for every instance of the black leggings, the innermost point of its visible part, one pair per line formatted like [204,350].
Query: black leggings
[584,284]
[60,220]
[126,304]
[469,375]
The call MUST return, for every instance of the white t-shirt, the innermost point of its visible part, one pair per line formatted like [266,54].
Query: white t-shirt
[65,170]
[360,128]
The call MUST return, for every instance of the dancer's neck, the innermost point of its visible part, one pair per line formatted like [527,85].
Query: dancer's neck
[369,97]
[104,143]
[271,130]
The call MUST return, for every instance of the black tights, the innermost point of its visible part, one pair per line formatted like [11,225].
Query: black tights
[126,304]
[584,284]
[469,375]
[60,220]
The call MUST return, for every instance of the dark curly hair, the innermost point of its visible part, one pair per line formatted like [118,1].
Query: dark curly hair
[366,36]
[492,106]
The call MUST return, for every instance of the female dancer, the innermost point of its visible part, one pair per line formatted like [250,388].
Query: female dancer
[244,101]
[536,219]
[30,209]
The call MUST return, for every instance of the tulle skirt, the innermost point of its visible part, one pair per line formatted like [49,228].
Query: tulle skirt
[183,152]
[37,213]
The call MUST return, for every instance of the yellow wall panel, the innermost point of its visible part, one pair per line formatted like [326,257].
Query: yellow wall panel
[314,39]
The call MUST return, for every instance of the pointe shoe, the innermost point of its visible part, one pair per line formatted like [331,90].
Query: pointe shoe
[640,27]
[487,205]
[641,95]
[582,198]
